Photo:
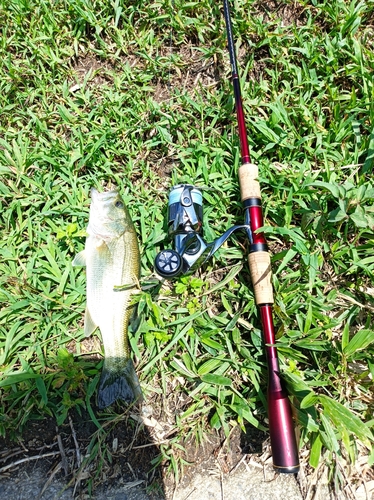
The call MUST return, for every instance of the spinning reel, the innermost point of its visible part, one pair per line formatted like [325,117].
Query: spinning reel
[185,223]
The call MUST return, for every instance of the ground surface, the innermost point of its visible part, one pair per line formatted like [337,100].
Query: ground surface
[44,466]
[246,483]
[219,469]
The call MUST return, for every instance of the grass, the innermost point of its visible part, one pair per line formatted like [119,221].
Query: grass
[138,94]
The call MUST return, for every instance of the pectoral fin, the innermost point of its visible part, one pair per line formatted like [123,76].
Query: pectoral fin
[80,259]
[89,324]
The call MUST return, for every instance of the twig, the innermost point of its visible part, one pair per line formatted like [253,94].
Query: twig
[132,471]
[156,443]
[348,487]
[222,490]
[7,454]
[343,297]
[79,457]
[132,484]
[238,464]
[77,483]
[23,446]
[50,479]
[29,459]
[226,441]
[189,494]
[64,461]
[251,462]
[77,450]
[312,487]
[131,445]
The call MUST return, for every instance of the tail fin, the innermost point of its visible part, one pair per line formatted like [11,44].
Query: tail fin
[118,382]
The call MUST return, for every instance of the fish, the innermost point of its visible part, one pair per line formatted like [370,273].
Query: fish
[112,260]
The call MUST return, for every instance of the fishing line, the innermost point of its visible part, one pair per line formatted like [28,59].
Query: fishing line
[171,97]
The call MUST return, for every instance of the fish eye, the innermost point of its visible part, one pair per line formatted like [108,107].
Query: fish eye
[118,204]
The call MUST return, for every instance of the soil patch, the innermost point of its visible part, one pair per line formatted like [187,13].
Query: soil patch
[85,461]
[83,457]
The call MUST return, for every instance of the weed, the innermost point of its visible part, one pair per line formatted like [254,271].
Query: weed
[138,95]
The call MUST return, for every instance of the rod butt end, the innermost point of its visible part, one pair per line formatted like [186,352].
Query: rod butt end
[293,469]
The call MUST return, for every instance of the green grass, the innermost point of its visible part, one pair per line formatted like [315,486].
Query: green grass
[138,94]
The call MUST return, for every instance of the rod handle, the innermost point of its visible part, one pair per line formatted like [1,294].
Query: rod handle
[260,269]
[248,180]
[259,261]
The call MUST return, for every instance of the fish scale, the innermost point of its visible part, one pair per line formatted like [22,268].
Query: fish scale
[110,308]
[112,260]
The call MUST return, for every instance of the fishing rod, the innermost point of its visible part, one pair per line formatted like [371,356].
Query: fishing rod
[282,434]
[190,251]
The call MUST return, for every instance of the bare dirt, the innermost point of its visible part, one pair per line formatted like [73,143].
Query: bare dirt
[51,462]
[62,453]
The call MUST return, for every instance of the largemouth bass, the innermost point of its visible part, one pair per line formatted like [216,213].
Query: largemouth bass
[112,261]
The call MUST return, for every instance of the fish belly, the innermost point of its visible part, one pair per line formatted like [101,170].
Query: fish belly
[109,265]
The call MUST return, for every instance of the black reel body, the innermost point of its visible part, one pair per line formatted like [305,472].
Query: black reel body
[185,228]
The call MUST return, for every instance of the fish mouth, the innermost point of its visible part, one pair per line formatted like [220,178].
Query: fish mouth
[102,202]
[106,209]
[96,196]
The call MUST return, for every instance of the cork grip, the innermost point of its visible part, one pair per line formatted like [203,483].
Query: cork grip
[259,266]
[249,185]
